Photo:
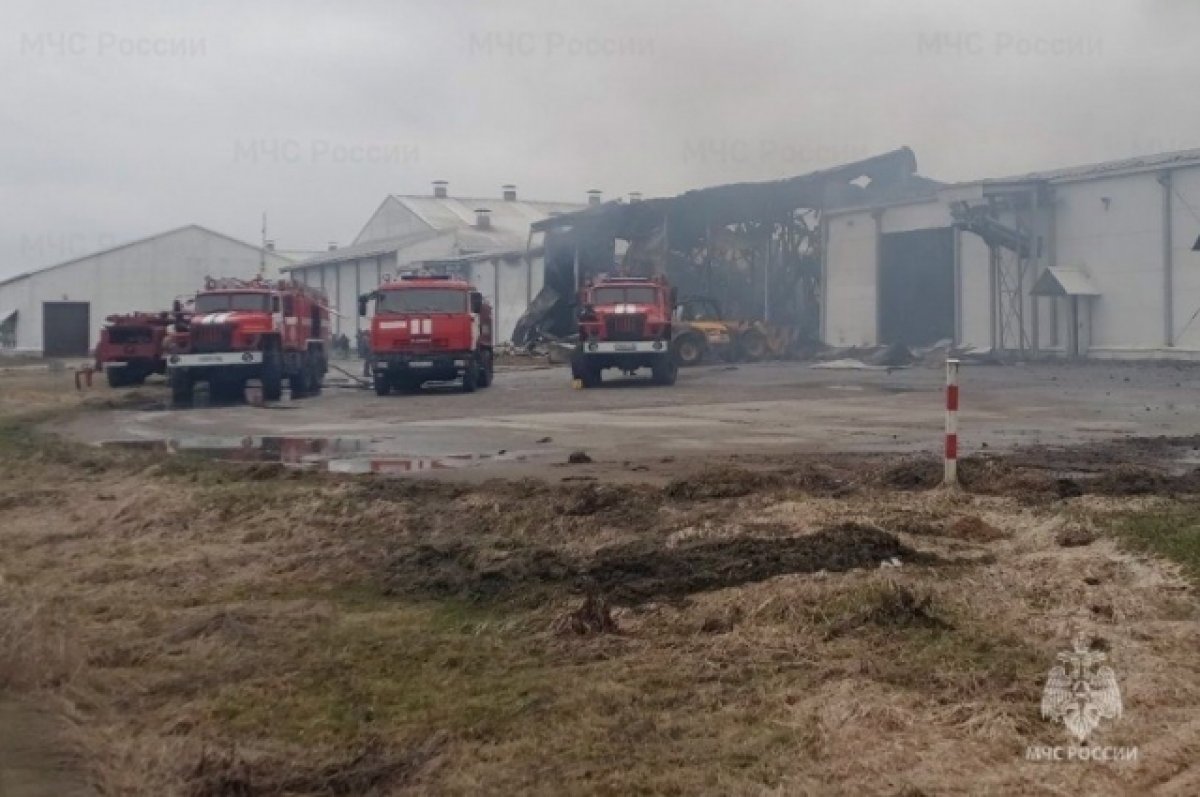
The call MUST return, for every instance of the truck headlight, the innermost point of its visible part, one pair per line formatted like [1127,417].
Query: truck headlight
[247,357]
[658,344]
[593,346]
[174,359]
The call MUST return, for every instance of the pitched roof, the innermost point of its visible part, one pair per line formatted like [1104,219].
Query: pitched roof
[508,230]
[382,246]
[510,219]
[1161,160]
[128,244]
[1059,281]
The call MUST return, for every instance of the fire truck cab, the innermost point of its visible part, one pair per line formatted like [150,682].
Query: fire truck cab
[131,347]
[624,323]
[428,328]
[251,329]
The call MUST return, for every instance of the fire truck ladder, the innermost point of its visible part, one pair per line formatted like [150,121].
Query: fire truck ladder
[1008,269]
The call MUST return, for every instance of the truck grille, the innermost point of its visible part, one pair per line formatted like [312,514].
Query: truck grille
[211,337]
[625,326]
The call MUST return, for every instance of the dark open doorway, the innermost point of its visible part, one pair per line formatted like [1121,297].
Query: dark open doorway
[65,329]
[916,287]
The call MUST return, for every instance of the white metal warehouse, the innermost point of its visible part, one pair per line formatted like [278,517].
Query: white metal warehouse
[58,310]
[483,240]
[1092,260]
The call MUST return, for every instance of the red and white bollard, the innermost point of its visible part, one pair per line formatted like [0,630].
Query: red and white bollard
[951,456]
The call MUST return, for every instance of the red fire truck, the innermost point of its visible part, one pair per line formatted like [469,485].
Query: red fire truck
[131,347]
[251,329]
[624,323]
[428,328]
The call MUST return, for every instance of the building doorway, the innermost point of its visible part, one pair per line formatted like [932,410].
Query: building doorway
[916,287]
[66,329]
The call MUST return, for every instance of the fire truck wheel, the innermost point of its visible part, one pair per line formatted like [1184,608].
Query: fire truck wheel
[316,375]
[116,377]
[665,371]
[272,377]
[182,387]
[487,372]
[470,378]
[382,385]
[298,384]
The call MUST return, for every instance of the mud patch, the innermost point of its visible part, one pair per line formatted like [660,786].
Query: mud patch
[639,572]
[636,572]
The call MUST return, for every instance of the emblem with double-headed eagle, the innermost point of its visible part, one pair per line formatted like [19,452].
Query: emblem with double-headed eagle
[1081,691]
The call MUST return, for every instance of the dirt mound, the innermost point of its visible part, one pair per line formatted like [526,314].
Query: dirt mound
[721,482]
[639,572]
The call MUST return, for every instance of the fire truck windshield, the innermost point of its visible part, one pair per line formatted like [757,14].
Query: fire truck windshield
[422,300]
[224,302]
[634,294]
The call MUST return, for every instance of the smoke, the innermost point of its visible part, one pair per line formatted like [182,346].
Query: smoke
[123,121]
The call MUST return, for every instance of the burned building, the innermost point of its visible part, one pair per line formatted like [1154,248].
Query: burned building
[1094,260]
[755,248]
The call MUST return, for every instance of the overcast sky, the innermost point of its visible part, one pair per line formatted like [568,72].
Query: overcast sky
[126,119]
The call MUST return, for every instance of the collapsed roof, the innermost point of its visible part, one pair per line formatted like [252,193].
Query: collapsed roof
[888,177]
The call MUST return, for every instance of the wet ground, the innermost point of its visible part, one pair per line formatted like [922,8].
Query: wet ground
[531,419]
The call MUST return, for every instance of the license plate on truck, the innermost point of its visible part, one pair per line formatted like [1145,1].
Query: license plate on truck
[625,347]
[420,364]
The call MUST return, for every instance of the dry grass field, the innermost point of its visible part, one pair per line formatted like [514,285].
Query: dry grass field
[831,625]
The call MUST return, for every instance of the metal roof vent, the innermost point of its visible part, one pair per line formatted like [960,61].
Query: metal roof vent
[594,195]
[483,218]
[510,192]
[333,246]
[441,189]
[635,196]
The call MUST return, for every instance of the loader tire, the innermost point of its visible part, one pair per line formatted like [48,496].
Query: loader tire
[382,385]
[689,350]
[752,346]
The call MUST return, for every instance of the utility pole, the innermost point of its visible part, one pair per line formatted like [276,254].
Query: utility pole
[262,249]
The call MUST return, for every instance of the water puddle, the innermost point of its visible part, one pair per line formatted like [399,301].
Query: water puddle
[349,455]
